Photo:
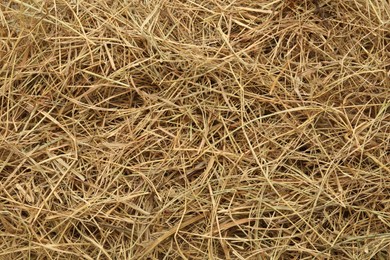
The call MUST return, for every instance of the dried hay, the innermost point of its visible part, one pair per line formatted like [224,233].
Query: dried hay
[194,129]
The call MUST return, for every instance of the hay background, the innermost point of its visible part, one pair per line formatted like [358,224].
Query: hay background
[194,129]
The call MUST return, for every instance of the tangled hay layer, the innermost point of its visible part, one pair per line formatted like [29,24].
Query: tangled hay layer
[201,129]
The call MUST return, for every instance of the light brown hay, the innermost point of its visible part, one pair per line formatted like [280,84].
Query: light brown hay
[194,129]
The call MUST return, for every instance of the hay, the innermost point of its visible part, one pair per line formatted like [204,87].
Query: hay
[194,129]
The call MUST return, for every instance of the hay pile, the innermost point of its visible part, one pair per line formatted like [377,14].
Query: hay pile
[194,129]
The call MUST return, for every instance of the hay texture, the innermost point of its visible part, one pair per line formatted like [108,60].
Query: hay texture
[194,129]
